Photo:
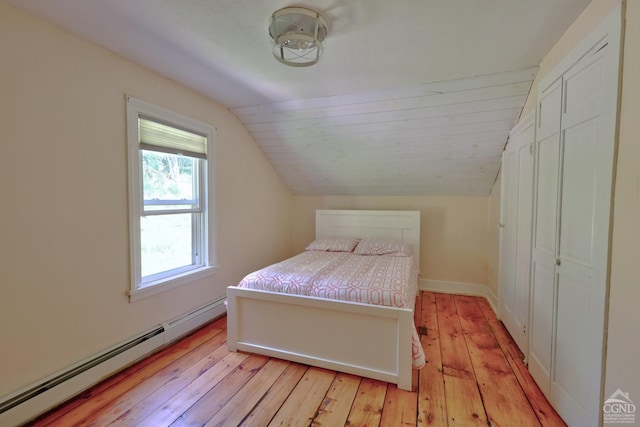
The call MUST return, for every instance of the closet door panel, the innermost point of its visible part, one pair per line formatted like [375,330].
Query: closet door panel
[523,246]
[542,279]
[574,376]
[545,229]
[546,199]
[509,290]
[579,193]
[583,89]
[517,197]
[549,111]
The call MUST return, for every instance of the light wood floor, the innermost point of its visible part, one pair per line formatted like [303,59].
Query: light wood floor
[474,376]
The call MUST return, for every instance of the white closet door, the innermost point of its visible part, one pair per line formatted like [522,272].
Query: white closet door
[575,145]
[516,259]
[587,166]
[545,235]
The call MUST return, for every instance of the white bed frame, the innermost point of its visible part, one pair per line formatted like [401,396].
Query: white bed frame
[362,339]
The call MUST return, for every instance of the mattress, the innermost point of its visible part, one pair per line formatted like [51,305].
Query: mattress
[370,279]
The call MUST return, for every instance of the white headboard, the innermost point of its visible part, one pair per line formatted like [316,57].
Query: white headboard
[401,225]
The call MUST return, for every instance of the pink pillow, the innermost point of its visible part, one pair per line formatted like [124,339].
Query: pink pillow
[333,244]
[383,247]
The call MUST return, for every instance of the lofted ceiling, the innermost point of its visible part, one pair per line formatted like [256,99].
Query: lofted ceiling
[436,138]
[414,97]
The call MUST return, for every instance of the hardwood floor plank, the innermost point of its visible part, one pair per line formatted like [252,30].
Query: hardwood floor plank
[143,409]
[415,377]
[367,406]
[220,322]
[503,398]
[302,405]
[239,406]
[140,400]
[464,404]
[432,409]
[547,415]
[400,408]
[104,394]
[455,355]
[428,313]
[214,400]
[336,405]
[189,395]
[275,397]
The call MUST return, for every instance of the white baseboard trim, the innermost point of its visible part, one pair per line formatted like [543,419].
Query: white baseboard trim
[460,288]
[493,300]
[61,386]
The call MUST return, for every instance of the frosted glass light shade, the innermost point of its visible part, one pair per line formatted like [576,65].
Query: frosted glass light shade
[298,36]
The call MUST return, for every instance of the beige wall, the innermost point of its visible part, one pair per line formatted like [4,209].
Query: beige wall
[493,235]
[64,249]
[623,350]
[453,230]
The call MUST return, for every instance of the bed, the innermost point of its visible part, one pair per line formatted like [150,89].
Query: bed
[352,334]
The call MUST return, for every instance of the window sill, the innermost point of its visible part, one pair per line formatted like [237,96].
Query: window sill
[164,285]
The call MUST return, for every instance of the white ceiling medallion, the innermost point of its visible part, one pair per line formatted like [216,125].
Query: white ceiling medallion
[298,36]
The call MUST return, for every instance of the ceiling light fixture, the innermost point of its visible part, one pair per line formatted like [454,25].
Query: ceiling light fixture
[298,36]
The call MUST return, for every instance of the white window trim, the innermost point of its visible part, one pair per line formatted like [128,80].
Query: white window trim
[135,108]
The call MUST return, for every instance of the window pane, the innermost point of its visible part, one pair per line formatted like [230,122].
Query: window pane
[166,243]
[169,181]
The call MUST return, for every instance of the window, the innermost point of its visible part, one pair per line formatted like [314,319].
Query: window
[170,203]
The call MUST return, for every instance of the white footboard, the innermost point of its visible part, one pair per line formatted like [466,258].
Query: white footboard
[367,340]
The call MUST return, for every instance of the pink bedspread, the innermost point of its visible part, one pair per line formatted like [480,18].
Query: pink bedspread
[379,280]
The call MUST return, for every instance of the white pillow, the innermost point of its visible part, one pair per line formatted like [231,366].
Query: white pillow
[383,247]
[333,244]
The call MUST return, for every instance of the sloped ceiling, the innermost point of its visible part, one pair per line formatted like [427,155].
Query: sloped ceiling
[414,97]
[439,138]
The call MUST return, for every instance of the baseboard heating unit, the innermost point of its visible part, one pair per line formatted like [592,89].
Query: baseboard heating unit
[49,392]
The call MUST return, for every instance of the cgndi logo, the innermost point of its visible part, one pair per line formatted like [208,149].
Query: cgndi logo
[619,409]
